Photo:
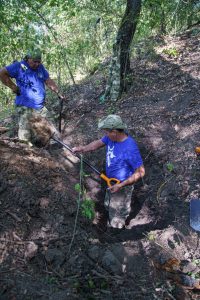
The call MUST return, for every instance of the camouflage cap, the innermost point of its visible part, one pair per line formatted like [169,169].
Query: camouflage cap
[34,54]
[112,122]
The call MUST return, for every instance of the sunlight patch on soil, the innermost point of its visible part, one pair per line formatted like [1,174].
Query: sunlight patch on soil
[189,131]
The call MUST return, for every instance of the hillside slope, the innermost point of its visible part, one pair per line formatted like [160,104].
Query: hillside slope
[50,251]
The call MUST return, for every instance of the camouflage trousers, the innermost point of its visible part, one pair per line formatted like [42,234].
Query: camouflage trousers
[24,114]
[118,206]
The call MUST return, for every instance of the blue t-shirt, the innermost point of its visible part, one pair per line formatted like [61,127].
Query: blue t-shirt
[31,83]
[122,158]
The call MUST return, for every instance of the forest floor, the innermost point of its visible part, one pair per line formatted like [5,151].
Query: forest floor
[49,250]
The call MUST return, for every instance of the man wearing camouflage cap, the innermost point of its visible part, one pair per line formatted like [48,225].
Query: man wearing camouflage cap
[31,77]
[123,162]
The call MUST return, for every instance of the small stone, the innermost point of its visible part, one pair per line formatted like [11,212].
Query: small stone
[54,256]
[44,202]
[111,263]
[31,250]
[94,252]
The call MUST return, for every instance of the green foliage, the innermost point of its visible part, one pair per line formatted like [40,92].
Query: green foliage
[51,280]
[104,284]
[79,34]
[170,167]
[87,208]
[195,31]
[91,283]
[151,236]
[171,52]
[163,16]
[111,109]
[87,205]
[194,275]
[82,31]
[77,187]
[102,99]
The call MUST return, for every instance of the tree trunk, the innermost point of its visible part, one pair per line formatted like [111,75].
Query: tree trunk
[120,62]
[162,22]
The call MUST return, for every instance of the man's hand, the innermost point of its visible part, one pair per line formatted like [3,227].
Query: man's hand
[62,97]
[54,88]
[115,188]
[17,91]
[78,149]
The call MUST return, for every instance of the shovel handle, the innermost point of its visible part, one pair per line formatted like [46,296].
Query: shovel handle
[197,150]
[60,114]
[109,181]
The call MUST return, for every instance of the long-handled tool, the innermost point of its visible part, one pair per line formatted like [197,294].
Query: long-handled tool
[109,181]
[195,214]
[60,114]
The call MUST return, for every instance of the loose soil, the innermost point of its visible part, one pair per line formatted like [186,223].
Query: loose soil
[49,250]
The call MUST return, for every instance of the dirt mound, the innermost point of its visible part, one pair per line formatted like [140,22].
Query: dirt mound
[49,250]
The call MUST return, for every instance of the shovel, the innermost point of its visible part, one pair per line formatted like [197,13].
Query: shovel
[109,181]
[195,214]
[60,114]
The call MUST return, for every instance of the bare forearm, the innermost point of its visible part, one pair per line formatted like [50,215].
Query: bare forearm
[52,85]
[6,80]
[90,147]
[139,173]
[54,88]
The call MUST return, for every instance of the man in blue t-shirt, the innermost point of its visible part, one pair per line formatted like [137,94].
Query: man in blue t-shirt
[123,162]
[30,79]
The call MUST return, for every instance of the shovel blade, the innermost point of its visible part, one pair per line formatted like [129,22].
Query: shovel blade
[195,214]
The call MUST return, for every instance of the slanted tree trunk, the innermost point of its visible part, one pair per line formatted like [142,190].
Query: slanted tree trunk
[120,62]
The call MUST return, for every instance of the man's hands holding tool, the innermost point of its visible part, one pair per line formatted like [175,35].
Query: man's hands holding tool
[115,188]
[62,97]
[79,149]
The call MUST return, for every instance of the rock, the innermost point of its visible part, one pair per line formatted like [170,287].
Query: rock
[55,257]
[94,252]
[42,129]
[3,129]
[73,260]
[111,263]
[179,293]
[189,267]
[31,250]
[44,202]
